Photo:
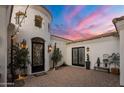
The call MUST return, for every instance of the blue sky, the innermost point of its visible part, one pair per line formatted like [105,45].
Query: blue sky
[77,22]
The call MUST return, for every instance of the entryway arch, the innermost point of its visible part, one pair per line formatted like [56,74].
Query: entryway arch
[38,54]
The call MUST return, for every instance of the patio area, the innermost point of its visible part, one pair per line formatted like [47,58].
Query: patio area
[72,76]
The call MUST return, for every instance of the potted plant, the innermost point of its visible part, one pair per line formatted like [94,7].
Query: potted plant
[56,56]
[98,62]
[88,62]
[23,60]
[115,62]
[20,60]
[64,64]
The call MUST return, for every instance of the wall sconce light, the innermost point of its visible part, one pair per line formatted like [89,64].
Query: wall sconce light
[23,44]
[88,49]
[49,48]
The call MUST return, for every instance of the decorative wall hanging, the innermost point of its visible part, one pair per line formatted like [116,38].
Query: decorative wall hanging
[88,49]
[38,21]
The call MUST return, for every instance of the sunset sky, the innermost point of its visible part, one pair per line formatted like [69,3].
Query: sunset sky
[83,21]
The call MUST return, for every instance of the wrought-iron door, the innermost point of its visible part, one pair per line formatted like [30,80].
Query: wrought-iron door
[37,55]
[78,56]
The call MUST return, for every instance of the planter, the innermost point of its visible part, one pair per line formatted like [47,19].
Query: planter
[115,71]
[19,83]
[16,76]
[56,68]
[23,75]
[88,65]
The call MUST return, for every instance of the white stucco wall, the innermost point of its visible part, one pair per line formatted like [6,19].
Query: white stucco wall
[122,57]
[61,44]
[120,27]
[98,47]
[28,30]
[4,21]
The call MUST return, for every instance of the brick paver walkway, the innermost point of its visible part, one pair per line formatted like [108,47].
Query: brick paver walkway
[74,77]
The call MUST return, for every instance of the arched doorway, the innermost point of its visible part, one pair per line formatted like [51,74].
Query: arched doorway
[38,52]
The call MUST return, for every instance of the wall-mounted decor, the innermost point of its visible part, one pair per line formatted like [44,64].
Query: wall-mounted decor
[88,49]
[38,21]
[19,16]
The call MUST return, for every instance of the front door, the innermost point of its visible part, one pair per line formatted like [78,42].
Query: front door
[37,55]
[78,56]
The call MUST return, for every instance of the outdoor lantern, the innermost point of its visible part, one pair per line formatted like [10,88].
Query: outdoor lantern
[88,49]
[19,16]
[23,44]
[49,48]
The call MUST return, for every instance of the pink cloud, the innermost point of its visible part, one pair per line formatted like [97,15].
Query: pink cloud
[98,21]
[104,24]
[96,15]
[74,35]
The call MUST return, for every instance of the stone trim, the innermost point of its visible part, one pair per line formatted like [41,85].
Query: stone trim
[61,38]
[96,37]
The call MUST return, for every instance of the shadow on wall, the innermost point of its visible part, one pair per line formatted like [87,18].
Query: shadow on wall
[0,41]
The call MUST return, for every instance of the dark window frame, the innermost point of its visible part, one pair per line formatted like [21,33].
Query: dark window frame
[78,56]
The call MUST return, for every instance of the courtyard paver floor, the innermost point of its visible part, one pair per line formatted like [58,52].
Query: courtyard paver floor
[74,77]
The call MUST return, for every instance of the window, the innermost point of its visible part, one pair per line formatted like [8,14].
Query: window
[48,27]
[78,56]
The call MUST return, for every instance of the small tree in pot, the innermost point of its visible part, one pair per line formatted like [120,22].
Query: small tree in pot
[21,59]
[88,59]
[116,63]
[56,56]
[98,62]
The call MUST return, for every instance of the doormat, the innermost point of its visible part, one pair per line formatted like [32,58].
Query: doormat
[40,74]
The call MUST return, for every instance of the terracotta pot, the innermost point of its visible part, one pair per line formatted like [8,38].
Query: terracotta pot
[115,71]
[19,83]
[16,76]
[23,75]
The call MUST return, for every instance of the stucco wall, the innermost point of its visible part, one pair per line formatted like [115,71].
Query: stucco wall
[98,47]
[28,30]
[120,27]
[61,44]
[122,58]
[4,20]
